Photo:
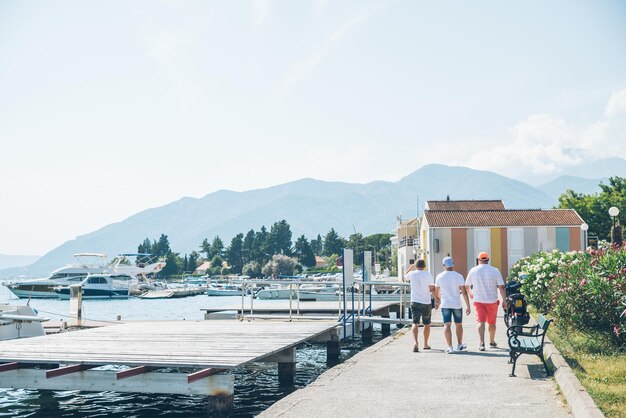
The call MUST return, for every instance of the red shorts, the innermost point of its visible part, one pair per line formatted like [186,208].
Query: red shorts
[486,312]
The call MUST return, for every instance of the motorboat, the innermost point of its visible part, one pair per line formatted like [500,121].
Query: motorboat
[275,292]
[140,269]
[314,292]
[20,321]
[100,286]
[224,289]
[196,281]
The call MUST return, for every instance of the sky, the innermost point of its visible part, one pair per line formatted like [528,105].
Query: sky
[111,107]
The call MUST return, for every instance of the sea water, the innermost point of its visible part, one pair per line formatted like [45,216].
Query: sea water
[256,384]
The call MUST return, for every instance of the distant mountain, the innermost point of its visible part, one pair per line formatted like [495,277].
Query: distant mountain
[16,260]
[310,206]
[559,185]
[601,168]
[591,170]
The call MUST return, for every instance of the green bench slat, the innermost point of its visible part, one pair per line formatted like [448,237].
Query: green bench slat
[529,343]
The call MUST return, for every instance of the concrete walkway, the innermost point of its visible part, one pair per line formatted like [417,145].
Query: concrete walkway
[388,379]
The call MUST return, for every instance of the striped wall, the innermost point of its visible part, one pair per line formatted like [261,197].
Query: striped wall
[462,245]
[459,250]
[575,238]
[562,238]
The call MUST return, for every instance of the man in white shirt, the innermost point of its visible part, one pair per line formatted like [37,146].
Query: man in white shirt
[483,283]
[449,286]
[422,285]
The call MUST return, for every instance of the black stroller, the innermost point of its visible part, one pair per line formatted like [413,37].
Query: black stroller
[516,313]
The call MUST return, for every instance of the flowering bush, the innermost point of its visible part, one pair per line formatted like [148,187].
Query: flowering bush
[583,290]
[537,272]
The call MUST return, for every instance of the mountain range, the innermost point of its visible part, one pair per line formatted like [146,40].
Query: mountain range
[311,207]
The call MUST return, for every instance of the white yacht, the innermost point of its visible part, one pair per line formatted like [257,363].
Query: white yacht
[85,264]
[100,286]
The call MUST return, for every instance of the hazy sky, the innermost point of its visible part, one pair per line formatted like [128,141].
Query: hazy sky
[111,107]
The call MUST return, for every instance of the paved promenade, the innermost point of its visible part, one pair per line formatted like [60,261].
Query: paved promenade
[389,380]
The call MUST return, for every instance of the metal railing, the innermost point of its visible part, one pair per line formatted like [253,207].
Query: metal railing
[360,293]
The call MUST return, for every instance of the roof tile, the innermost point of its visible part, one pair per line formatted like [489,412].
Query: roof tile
[465,205]
[495,218]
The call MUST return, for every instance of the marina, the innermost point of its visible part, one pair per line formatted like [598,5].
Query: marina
[192,358]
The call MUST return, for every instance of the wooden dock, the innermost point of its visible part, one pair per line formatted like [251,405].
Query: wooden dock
[69,361]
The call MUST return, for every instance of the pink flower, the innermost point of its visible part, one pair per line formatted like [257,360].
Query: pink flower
[616,330]
[583,282]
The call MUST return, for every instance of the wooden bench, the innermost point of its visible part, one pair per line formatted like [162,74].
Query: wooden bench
[528,340]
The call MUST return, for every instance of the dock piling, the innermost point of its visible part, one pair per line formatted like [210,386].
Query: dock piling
[220,405]
[286,373]
[367,334]
[333,348]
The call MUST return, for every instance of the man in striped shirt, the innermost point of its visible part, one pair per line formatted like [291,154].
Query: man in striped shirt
[482,284]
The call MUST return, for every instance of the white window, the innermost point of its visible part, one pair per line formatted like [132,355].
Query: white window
[515,245]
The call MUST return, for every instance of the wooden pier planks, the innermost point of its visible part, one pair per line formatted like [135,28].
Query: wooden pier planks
[199,344]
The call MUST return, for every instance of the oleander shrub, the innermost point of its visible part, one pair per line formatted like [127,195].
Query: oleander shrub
[537,272]
[583,291]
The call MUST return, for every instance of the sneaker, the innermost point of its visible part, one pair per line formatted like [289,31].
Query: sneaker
[493,344]
[482,347]
[461,347]
[449,350]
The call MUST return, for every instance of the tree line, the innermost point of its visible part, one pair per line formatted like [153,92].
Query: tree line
[266,252]
[594,207]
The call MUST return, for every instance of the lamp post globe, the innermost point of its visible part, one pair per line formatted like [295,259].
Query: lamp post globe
[584,227]
[613,211]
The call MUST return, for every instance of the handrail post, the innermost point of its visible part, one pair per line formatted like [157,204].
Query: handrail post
[298,299]
[290,298]
[401,302]
[339,311]
[251,301]
[243,300]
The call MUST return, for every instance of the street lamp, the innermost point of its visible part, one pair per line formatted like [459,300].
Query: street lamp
[613,212]
[584,227]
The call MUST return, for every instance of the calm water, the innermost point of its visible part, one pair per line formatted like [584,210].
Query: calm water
[256,385]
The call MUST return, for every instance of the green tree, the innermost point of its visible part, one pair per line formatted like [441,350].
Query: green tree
[252,269]
[304,252]
[234,254]
[316,245]
[280,265]
[261,245]
[173,265]
[594,208]
[162,246]
[217,247]
[380,244]
[280,238]
[333,243]
[146,247]
[184,264]
[205,248]
[192,263]
[356,242]
[248,248]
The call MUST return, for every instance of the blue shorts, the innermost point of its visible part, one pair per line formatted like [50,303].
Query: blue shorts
[448,313]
